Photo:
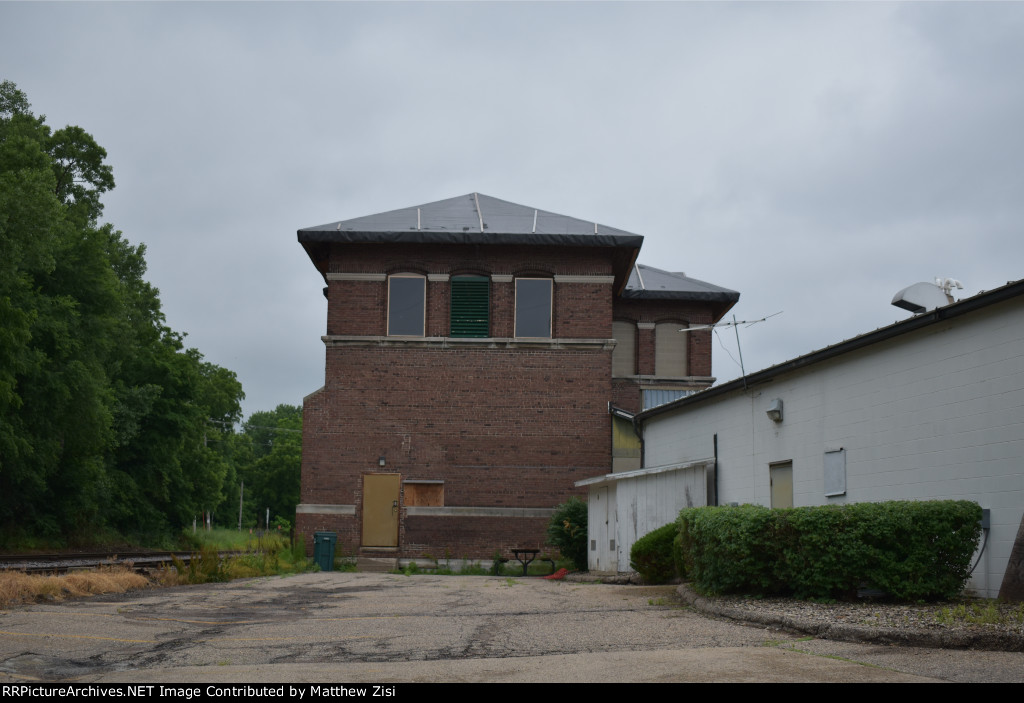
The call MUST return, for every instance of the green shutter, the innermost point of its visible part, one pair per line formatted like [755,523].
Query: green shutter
[471,303]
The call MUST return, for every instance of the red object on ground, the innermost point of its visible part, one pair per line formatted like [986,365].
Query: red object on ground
[558,575]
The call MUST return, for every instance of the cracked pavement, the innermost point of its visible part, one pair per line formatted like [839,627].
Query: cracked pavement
[367,627]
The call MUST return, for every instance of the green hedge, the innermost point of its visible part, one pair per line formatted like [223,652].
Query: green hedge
[912,550]
[652,555]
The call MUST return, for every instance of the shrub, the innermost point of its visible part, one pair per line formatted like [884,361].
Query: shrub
[678,556]
[651,555]
[729,549]
[568,531]
[912,550]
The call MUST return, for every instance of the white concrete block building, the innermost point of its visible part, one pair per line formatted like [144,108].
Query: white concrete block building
[931,407]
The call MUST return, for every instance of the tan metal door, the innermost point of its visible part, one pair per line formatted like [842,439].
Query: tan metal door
[380,509]
[781,477]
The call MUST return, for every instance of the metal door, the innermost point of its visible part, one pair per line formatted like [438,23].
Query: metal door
[380,509]
[781,478]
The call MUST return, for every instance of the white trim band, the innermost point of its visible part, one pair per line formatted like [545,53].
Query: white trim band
[474,511]
[325,509]
[565,278]
[381,277]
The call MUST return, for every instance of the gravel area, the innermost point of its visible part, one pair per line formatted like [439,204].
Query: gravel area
[870,621]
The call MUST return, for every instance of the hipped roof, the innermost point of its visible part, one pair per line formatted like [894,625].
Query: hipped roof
[477,219]
[473,219]
[649,283]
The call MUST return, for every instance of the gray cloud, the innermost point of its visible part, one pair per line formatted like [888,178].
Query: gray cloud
[814,157]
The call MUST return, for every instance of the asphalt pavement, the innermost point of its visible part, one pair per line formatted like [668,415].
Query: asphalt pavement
[390,628]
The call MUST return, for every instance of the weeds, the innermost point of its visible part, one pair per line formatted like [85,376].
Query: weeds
[345,564]
[266,555]
[982,612]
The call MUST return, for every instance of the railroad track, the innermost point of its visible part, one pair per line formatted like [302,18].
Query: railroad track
[59,563]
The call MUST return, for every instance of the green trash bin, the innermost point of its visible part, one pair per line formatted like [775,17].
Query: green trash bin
[323,549]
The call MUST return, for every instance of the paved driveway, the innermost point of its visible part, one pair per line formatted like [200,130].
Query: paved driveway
[332,627]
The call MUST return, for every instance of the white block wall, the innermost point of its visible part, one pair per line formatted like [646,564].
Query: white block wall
[627,508]
[934,414]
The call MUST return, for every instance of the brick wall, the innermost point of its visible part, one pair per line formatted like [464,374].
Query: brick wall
[655,311]
[473,537]
[504,426]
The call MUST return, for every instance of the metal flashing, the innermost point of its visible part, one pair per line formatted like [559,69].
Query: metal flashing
[613,478]
[647,282]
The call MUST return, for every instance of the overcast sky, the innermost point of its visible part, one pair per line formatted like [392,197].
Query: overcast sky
[815,157]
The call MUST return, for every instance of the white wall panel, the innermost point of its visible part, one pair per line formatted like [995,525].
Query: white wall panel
[937,413]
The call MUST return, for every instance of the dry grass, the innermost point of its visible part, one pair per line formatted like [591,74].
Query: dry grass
[18,587]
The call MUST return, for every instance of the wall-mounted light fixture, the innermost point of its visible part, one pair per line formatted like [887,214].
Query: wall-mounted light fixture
[774,410]
[380,461]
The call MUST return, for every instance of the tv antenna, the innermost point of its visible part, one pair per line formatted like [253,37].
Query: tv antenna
[735,324]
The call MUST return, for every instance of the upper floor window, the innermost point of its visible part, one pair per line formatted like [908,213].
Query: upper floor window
[470,306]
[670,346]
[624,354]
[407,297]
[533,307]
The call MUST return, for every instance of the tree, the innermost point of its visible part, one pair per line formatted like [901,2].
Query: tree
[272,472]
[106,419]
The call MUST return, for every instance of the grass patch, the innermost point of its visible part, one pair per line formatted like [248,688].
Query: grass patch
[982,612]
[19,587]
[268,555]
[227,540]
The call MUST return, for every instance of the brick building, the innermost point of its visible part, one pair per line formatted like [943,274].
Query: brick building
[482,356]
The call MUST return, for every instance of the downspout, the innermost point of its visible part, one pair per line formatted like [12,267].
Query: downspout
[715,467]
[640,435]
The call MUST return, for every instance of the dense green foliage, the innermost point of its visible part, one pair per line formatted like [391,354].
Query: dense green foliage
[568,531]
[108,424]
[267,454]
[911,550]
[652,555]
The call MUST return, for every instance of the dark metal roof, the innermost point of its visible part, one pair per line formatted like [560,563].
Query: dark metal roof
[480,219]
[1011,290]
[647,282]
[471,219]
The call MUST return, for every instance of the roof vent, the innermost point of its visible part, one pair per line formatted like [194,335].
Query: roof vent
[922,297]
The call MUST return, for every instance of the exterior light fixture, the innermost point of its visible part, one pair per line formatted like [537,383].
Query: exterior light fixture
[381,461]
[774,410]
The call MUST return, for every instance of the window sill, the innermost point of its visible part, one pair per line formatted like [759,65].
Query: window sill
[654,382]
